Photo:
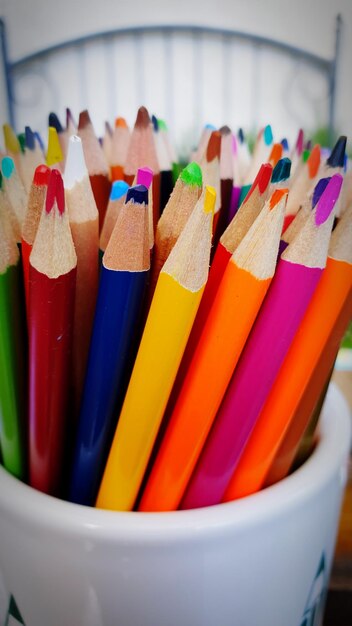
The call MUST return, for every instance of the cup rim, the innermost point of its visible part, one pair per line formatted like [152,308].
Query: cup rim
[18,501]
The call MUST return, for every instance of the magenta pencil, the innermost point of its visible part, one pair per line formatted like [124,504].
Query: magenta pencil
[296,278]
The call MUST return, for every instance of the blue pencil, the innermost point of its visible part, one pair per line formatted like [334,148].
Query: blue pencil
[114,342]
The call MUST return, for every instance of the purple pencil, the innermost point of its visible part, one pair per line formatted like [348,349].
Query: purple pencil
[296,278]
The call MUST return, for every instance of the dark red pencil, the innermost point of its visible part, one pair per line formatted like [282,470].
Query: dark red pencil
[52,282]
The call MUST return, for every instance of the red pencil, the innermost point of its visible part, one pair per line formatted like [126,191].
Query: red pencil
[52,281]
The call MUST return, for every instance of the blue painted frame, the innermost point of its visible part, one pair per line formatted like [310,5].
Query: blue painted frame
[327,66]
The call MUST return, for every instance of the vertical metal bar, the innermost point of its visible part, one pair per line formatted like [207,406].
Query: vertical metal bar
[332,79]
[7,73]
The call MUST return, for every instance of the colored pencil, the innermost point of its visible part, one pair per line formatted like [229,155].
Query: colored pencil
[142,153]
[227,245]
[52,277]
[242,290]
[210,165]
[54,154]
[296,277]
[275,154]
[226,179]
[280,175]
[261,153]
[181,203]
[177,296]
[165,164]
[32,157]
[285,147]
[145,177]
[54,122]
[7,209]
[35,206]
[84,224]
[14,189]
[301,185]
[119,148]
[12,354]
[117,199]
[12,147]
[314,350]
[296,153]
[199,153]
[116,326]
[96,164]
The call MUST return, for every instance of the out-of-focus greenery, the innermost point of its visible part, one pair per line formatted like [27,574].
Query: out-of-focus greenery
[347,340]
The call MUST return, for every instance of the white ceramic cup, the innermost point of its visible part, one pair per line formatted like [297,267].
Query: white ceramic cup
[261,561]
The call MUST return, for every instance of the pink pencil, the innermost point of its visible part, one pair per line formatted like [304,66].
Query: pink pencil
[296,278]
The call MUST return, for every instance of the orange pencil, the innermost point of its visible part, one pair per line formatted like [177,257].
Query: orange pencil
[119,147]
[299,365]
[244,285]
[275,154]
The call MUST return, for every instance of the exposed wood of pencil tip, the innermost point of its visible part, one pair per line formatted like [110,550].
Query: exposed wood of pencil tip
[34,210]
[128,247]
[93,152]
[141,150]
[340,247]
[78,191]
[6,208]
[53,252]
[188,262]
[257,252]
[9,252]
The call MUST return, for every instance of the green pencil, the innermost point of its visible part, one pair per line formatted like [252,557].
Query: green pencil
[12,349]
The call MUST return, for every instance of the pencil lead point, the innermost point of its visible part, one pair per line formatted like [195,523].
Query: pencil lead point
[281,170]
[268,135]
[7,167]
[54,153]
[29,138]
[284,144]
[55,122]
[55,192]
[143,119]
[84,120]
[41,176]
[11,141]
[155,123]
[277,196]
[299,142]
[144,176]
[240,135]
[69,119]
[214,146]
[162,124]
[276,153]
[120,122]
[225,130]
[75,167]
[39,140]
[119,188]
[138,194]
[192,175]
[314,161]
[328,199]
[209,199]
[337,156]
[108,128]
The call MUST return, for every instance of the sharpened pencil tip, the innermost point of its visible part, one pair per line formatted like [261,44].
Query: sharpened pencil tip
[144,176]
[120,122]
[192,175]
[54,153]
[268,135]
[155,123]
[276,153]
[11,142]
[75,167]
[55,192]
[7,167]
[337,156]
[29,138]
[314,161]
[263,177]
[277,197]
[209,199]
[162,125]
[328,199]
[55,122]
[240,135]
[281,170]
[319,189]
[41,176]
[214,146]
[299,142]
[119,188]
[84,120]
[138,194]
[225,130]
[69,119]
[108,128]
[143,119]
[284,144]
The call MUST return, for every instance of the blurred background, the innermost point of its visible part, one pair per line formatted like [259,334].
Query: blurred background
[190,63]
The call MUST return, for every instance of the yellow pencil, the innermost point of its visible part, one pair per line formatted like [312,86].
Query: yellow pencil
[176,299]
[54,154]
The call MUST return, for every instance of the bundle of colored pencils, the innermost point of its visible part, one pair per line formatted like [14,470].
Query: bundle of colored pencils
[176,338]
